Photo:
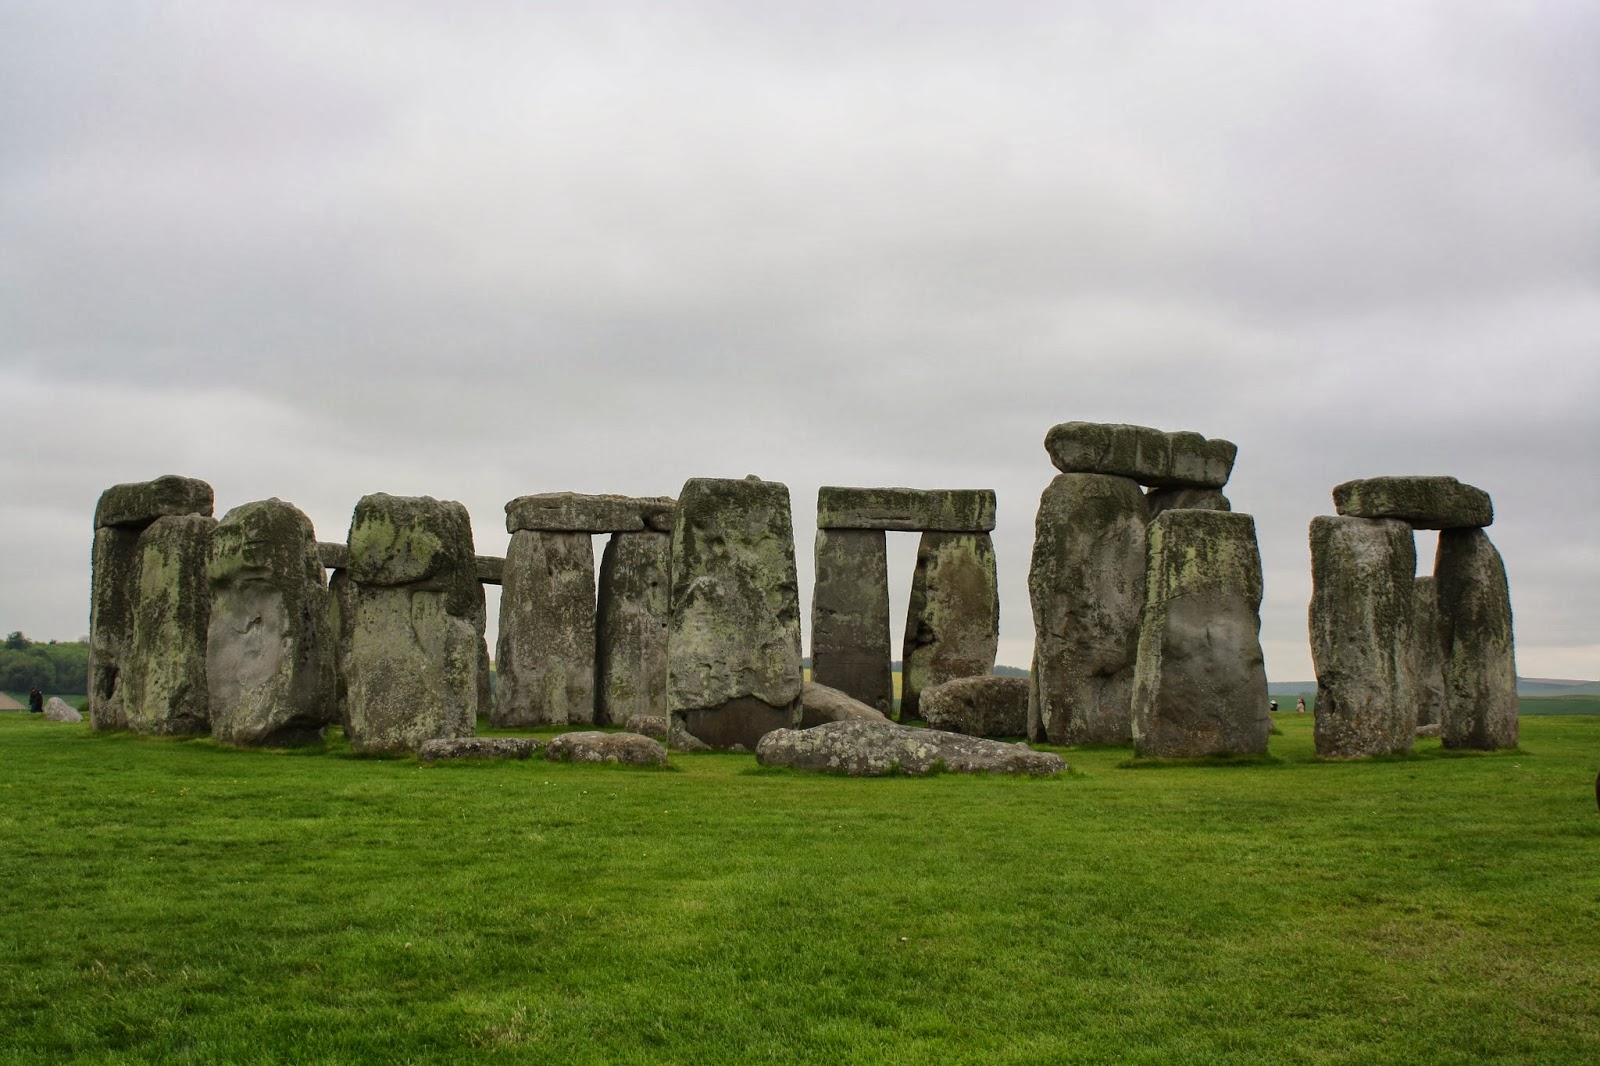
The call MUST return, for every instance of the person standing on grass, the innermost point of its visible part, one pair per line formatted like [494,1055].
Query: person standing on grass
[36,701]
[1300,706]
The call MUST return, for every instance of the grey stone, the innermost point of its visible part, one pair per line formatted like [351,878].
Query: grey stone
[444,749]
[166,670]
[574,512]
[733,645]
[1362,576]
[659,512]
[137,504]
[1149,456]
[1422,502]
[630,666]
[545,660]
[333,555]
[1158,500]
[1427,650]
[979,706]
[906,510]
[850,616]
[1428,731]
[629,748]
[341,616]
[57,709]
[114,592]
[1087,585]
[873,749]
[270,645]
[415,647]
[491,569]
[668,730]
[1200,685]
[1480,668]
[953,620]
[821,705]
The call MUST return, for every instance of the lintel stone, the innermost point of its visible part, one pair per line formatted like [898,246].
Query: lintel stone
[334,556]
[138,503]
[906,510]
[1423,502]
[575,512]
[1148,456]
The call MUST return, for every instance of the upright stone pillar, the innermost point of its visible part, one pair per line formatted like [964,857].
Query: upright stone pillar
[122,513]
[545,662]
[1200,687]
[1362,590]
[1087,584]
[631,628]
[1480,669]
[167,671]
[1427,649]
[270,647]
[733,641]
[953,623]
[414,648]
[850,616]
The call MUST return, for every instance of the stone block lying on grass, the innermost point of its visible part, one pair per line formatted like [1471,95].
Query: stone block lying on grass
[979,706]
[57,709]
[440,749]
[821,705]
[630,748]
[873,749]
[656,725]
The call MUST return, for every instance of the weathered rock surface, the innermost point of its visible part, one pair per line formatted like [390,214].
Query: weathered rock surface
[1200,685]
[1087,585]
[1428,731]
[1149,456]
[630,668]
[445,749]
[270,646]
[821,704]
[1480,668]
[1362,576]
[1158,500]
[850,616]
[733,646]
[57,709]
[491,569]
[575,512]
[545,661]
[979,706]
[668,730]
[415,645]
[333,555]
[341,617]
[166,670]
[953,619]
[630,748]
[906,510]
[1427,650]
[1422,502]
[114,587]
[872,749]
[137,504]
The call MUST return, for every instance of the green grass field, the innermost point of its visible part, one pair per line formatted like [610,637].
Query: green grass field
[174,901]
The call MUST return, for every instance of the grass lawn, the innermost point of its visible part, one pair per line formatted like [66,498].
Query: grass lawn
[174,901]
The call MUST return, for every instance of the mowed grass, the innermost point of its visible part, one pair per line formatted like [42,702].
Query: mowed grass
[174,901]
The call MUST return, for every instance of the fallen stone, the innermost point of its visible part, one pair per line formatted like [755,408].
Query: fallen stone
[333,555]
[630,626]
[491,569]
[545,660]
[137,504]
[166,670]
[1421,502]
[270,645]
[1087,587]
[665,729]
[1148,456]
[1158,500]
[953,619]
[850,616]
[629,748]
[979,706]
[1362,576]
[1480,669]
[1200,684]
[873,749]
[441,749]
[906,510]
[57,709]
[733,644]
[1429,730]
[114,591]
[574,512]
[821,704]
[1427,650]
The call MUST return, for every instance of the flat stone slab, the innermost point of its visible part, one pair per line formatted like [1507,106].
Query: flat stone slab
[979,706]
[57,709]
[575,512]
[138,503]
[1148,456]
[1423,502]
[441,749]
[631,749]
[873,749]
[820,705]
[906,510]
[333,555]
[491,569]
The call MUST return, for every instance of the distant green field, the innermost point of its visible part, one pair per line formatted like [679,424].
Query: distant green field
[1543,705]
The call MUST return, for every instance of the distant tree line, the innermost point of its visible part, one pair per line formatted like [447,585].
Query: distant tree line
[57,667]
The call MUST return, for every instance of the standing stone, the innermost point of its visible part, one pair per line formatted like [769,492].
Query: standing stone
[1087,584]
[341,616]
[733,643]
[850,616]
[415,646]
[1480,668]
[166,673]
[115,592]
[630,665]
[1363,573]
[1427,649]
[270,648]
[1200,687]
[953,624]
[545,660]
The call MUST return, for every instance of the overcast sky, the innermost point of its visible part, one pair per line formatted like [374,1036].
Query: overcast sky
[480,250]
